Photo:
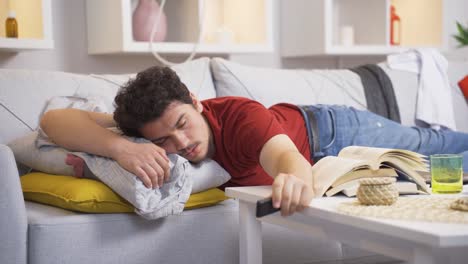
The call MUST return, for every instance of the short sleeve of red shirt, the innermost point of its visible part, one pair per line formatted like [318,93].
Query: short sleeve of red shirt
[240,128]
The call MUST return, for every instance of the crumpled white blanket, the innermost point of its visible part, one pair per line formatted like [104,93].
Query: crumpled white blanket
[149,203]
[185,177]
[434,99]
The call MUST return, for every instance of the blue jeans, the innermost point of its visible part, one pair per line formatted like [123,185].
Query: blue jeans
[341,126]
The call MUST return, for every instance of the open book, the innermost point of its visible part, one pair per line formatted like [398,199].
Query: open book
[332,174]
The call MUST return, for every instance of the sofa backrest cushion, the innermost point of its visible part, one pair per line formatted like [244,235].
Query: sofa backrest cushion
[196,75]
[24,93]
[405,86]
[342,87]
[271,86]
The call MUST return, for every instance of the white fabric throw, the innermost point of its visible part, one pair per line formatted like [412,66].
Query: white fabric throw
[185,177]
[149,203]
[434,99]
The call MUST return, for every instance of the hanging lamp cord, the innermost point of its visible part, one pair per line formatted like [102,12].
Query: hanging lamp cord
[201,18]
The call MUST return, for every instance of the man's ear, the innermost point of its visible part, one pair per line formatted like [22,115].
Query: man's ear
[196,103]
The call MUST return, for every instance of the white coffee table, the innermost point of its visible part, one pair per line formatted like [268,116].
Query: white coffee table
[415,242]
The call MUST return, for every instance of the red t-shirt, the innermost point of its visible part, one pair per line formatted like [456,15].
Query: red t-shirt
[241,127]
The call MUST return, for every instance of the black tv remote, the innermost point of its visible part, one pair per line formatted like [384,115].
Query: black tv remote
[265,207]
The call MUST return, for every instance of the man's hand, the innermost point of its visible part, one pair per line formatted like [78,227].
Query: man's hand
[291,193]
[147,161]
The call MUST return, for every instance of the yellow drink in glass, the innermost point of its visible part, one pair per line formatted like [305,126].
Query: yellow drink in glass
[446,173]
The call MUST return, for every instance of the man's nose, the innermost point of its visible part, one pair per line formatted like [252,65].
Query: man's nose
[181,141]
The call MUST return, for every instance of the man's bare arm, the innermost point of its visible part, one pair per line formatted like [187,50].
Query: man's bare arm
[84,131]
[292,188]
[80,130]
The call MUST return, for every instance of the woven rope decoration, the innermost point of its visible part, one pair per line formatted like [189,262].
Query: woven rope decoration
[377,191]
[460,204]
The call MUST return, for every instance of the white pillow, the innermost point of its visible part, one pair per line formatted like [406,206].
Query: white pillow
[49,159]
[206,175]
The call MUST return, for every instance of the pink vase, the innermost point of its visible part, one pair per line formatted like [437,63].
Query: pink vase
[144,17]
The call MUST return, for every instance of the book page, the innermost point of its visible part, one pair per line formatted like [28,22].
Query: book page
[345,186]
[413,162]
[365,173]
[350,189]
[364,153]
[409,172]
[377,156]
[330,168]
[405,187]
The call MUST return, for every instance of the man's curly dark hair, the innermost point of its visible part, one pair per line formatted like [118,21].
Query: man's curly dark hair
[146,97]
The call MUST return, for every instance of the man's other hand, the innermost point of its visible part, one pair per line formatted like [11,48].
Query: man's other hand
[291,193]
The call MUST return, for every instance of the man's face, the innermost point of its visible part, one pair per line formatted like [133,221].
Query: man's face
[182,130]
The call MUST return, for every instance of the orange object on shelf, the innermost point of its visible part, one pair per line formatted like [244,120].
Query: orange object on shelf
[11,25]
[463,84]
[395,27]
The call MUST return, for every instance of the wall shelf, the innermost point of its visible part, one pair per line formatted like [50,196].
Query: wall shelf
[363,50]
[313,28]
[15,45]
[34,25]
[252,33]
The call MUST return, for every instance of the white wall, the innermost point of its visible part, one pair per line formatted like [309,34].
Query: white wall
[276,61]
[70,53]
[453,10]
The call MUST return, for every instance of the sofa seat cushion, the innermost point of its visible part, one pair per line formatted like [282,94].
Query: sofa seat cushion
[206,235]
[203,235]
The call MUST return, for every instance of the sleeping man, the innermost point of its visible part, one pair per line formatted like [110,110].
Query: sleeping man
[257,146]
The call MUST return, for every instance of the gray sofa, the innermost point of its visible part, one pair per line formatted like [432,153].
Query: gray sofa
[37,233]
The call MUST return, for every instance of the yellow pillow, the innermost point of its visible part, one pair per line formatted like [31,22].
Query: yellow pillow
[90,196]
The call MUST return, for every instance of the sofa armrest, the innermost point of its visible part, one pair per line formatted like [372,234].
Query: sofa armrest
[13,220]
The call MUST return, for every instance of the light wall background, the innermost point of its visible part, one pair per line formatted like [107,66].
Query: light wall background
[420,27]
[70,52]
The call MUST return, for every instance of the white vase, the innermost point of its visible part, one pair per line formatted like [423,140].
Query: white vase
[144,17]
